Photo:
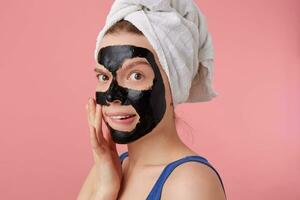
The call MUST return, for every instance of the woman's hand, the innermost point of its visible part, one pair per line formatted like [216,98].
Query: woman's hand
[108,166]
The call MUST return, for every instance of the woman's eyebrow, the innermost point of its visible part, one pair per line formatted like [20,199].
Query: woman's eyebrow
[134,63]
[100,70]
[125,66]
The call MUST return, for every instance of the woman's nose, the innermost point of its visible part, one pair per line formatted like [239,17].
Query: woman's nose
[115,93]
[110,100]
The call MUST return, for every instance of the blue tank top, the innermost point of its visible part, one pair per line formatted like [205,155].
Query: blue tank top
[155,193]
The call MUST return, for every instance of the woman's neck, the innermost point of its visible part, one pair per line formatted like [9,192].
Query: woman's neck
[158,147]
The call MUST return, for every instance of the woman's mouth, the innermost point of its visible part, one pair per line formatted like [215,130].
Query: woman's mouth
[124,119]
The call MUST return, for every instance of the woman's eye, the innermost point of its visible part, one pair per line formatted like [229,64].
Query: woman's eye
[102,77]
[136,76]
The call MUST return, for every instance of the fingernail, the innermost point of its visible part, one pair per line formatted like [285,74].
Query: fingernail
[90,100]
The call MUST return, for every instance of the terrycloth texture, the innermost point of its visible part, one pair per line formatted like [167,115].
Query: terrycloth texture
[178,32]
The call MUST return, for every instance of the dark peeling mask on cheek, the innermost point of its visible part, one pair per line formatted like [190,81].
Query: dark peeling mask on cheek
[149,104]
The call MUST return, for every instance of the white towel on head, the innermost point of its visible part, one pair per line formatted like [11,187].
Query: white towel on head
[178,32]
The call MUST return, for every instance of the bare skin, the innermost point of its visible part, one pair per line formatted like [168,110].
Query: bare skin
[108,179]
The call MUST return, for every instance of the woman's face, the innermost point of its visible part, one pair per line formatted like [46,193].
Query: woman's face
[132,86]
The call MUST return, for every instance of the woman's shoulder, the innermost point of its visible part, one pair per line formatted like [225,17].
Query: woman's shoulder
[193,180]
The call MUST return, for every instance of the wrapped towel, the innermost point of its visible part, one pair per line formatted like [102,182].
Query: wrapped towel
[178,33]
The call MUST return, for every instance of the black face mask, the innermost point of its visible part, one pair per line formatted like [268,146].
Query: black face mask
[149,104]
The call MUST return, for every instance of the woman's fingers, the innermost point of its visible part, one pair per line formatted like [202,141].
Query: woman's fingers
[92,110]
[98,124]
[99,142]
[94,141]
[110,141]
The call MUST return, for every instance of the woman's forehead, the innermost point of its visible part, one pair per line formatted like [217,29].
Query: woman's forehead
[125,38]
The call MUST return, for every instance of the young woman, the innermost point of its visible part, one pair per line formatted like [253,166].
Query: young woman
[134,105]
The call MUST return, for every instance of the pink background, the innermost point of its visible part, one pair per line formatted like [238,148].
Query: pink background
[250,132]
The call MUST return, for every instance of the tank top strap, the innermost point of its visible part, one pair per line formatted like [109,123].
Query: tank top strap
[123,156]
[156,191]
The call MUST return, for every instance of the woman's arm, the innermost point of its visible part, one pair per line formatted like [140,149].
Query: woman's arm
[89,192]
[87,187]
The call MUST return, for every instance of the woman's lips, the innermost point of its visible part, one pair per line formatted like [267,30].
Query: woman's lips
[121,118]
[126,121]
[118,114]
